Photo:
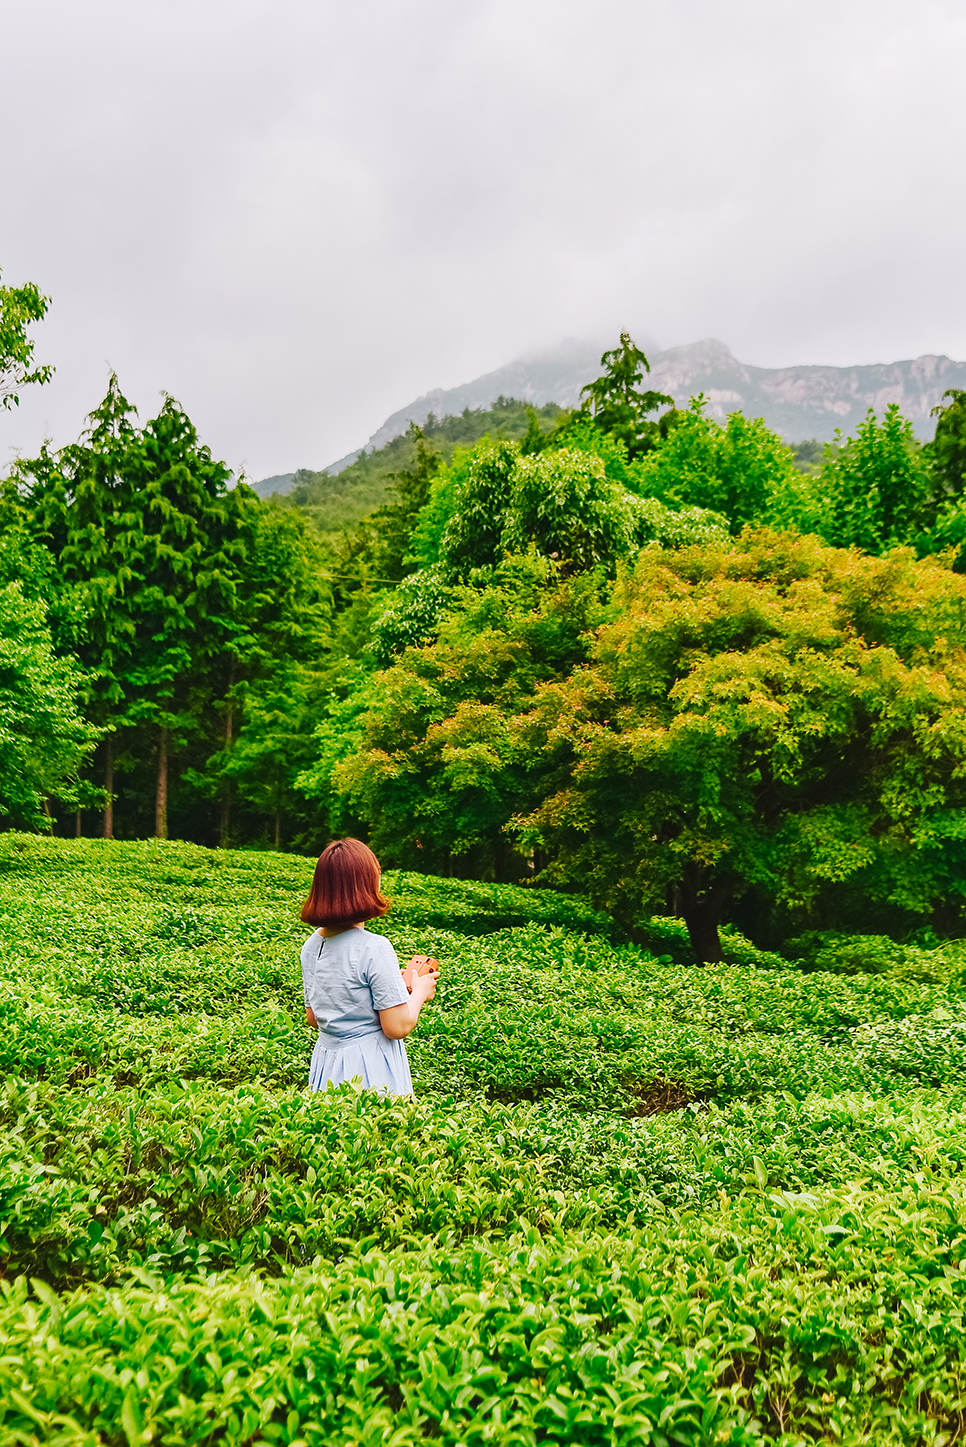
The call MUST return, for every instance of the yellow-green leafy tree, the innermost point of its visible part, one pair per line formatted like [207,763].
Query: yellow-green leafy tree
[775,713]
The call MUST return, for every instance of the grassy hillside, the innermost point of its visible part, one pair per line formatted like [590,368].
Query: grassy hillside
[342,501]
[633,1201]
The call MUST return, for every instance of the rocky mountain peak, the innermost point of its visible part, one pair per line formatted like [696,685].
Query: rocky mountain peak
[798,402]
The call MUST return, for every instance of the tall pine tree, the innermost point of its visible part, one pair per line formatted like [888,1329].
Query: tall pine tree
[82,504]
[192,557]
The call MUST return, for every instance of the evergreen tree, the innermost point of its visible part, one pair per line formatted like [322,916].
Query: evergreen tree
[272,672]
[617,402]
[83,505]
[276,744]
[393,523]
[192,552]
[146,539]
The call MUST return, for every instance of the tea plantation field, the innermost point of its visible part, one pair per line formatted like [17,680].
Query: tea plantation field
[633,1202]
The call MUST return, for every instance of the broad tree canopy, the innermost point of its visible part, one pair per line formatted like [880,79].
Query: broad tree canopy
[774,712]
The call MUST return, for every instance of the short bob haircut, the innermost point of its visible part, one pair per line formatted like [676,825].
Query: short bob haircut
[345,890]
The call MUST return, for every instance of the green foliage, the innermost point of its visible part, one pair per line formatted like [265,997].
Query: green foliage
[431,763]
[948,447]
[187,566]
[83,505]
[411,613]
[562,501]
[777,713]
[682,527]
[343,501]
[24,560]
[577,432]
[234,647]
[274,744]
[631,1202]
[944,529]
[393,523]
[19,306]
[808,454]
[283,601]
[147,533]
[429,525]
[653,1336]
[877,955]
[194,595]
[563,504]
[875,487]
[277,644]
[474,492]
[473,536]
[574,499]
[43,738]
[742,470]
[617,402]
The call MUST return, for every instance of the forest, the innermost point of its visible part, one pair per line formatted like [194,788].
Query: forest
[624,649]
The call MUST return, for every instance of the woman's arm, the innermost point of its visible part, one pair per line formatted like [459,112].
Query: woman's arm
[400,1020]
[310,1019]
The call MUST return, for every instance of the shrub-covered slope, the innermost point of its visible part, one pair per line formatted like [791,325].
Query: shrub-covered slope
[343,499]
[633,1201]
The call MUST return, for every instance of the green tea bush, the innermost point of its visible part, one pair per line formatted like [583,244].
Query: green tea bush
[777,1318]
[878,955]
[633,1201]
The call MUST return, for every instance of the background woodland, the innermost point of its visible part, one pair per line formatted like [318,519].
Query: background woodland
[623,648]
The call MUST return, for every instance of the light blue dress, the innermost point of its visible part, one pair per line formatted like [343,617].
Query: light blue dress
[348,979]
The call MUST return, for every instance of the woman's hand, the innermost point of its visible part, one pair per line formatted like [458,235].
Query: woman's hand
[424,986]
[418,965]
[398,1022]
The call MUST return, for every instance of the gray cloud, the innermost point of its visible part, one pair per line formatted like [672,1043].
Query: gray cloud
[295,216]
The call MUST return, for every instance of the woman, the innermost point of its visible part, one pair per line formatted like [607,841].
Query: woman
[355,995]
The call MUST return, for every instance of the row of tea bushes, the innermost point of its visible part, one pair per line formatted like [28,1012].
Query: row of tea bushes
[786,1319]
[633,1201]
[104,1181]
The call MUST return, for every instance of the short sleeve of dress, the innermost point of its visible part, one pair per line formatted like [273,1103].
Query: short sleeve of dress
[385,981]
[309,957]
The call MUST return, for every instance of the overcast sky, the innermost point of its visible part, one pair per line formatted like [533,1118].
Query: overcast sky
[298,215]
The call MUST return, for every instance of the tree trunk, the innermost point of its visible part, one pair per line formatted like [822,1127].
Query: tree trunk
[161,800]
[702,923]
[224,822]
[78,833]
[224,828]
[278,829]
[702,906]
[109,788]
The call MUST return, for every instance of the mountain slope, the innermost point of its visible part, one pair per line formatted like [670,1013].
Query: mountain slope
[798,402]
[339,501]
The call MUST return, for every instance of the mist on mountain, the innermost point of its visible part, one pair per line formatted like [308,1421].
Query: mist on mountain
[799,402]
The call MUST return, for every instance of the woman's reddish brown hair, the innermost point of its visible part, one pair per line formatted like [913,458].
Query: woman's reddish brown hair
[345,889]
